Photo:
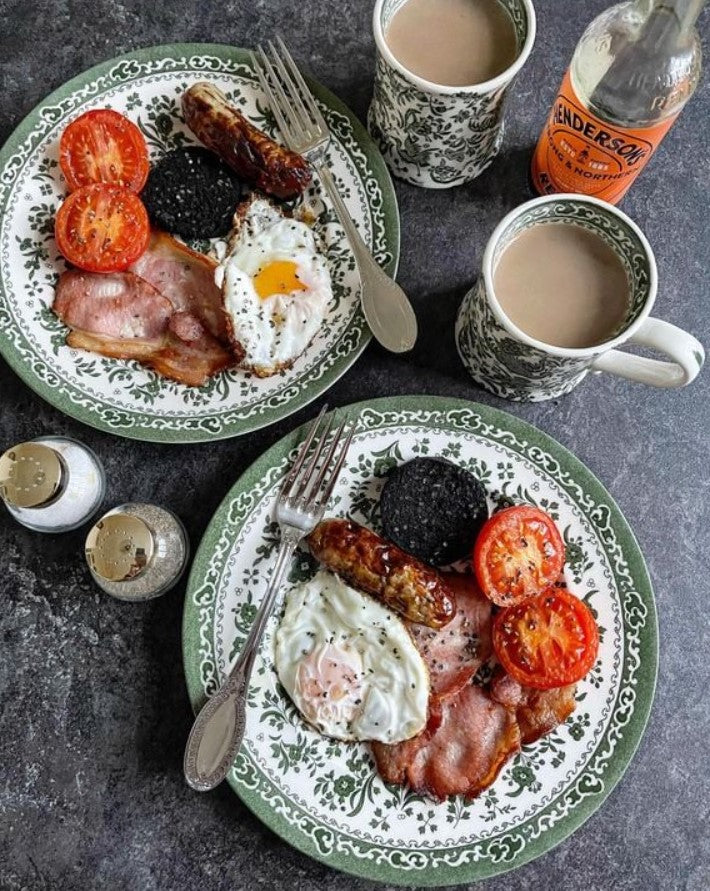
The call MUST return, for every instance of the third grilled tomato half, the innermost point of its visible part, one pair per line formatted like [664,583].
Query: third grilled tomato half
[519,552]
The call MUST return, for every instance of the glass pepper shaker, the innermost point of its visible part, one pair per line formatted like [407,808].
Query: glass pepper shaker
[51,484]
[137,551]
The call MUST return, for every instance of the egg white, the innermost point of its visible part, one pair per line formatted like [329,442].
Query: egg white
[349,664]
[275,330]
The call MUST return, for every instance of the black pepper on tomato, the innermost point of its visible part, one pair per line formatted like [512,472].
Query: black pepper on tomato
[102,228]
[103,146]
[518,553]
[550,640]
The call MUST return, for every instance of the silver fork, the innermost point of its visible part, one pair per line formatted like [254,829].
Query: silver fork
[219,728]
[386,307]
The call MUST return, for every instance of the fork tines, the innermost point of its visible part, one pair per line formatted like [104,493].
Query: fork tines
[315,471]
[292,102]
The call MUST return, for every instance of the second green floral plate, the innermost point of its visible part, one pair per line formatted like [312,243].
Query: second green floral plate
[324,797]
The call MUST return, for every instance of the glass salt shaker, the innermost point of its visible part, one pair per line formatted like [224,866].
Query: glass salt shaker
[137,551]
[51,484]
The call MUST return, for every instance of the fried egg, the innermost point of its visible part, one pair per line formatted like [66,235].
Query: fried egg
[276,287]
[349,664]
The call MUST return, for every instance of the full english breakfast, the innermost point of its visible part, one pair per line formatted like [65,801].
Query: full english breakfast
[133,291]
[446,670]
[421,652]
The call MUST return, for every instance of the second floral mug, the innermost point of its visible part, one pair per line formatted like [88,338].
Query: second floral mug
[440,136]
[510,363]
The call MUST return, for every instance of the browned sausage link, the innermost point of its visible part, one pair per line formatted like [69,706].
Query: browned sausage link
[380,568]
[248,150]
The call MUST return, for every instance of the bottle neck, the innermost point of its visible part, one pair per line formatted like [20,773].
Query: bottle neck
[677,15]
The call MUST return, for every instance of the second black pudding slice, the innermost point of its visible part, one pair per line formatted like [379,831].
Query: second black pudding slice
[433,509]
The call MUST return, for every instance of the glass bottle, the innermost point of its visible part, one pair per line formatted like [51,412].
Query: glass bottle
[632,72]
[51,484]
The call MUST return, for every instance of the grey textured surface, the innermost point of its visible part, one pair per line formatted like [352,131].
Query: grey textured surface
[93,708]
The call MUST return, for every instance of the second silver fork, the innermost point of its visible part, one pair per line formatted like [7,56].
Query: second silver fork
[386,307]
[219,728]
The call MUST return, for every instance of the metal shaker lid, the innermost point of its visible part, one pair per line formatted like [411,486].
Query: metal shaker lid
[30,474]
[119,547]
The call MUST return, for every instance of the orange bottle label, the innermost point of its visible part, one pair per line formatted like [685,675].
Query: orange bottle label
[578,152]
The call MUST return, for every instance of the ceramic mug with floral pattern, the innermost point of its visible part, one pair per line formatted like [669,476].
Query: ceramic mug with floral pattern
[440,136]
[504,359]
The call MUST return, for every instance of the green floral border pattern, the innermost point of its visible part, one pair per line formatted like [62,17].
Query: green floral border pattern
[236,580]
[48,381]
[535,836]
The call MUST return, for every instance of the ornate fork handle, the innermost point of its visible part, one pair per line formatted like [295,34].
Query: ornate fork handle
[386,307]
[219,730]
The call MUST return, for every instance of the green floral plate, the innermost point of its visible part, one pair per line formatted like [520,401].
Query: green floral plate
[123,397]
[324,797]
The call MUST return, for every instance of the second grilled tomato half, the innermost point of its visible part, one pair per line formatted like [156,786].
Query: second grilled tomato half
[102,228]
[550,640]
[519,552]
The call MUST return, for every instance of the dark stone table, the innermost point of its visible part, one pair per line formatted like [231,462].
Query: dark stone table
[93,709]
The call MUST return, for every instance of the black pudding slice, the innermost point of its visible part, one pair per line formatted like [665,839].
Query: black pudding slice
[433,509]
[190,192]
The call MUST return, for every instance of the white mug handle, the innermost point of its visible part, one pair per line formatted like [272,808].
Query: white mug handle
[685,351]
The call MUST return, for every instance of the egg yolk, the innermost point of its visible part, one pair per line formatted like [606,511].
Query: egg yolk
[279,277]
[329,685]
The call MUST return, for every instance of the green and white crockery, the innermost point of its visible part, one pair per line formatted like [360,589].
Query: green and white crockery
[440,136]
[324,796]
[505,360]
[125,398]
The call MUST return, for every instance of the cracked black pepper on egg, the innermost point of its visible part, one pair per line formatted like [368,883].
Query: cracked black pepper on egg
[433,509]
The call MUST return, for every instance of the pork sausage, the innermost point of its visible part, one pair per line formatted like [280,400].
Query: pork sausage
[248,150]
[380,568]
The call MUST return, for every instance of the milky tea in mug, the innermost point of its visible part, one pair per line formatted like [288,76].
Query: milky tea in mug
[563,285]
[566,281]
[455,43]
[443,71]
